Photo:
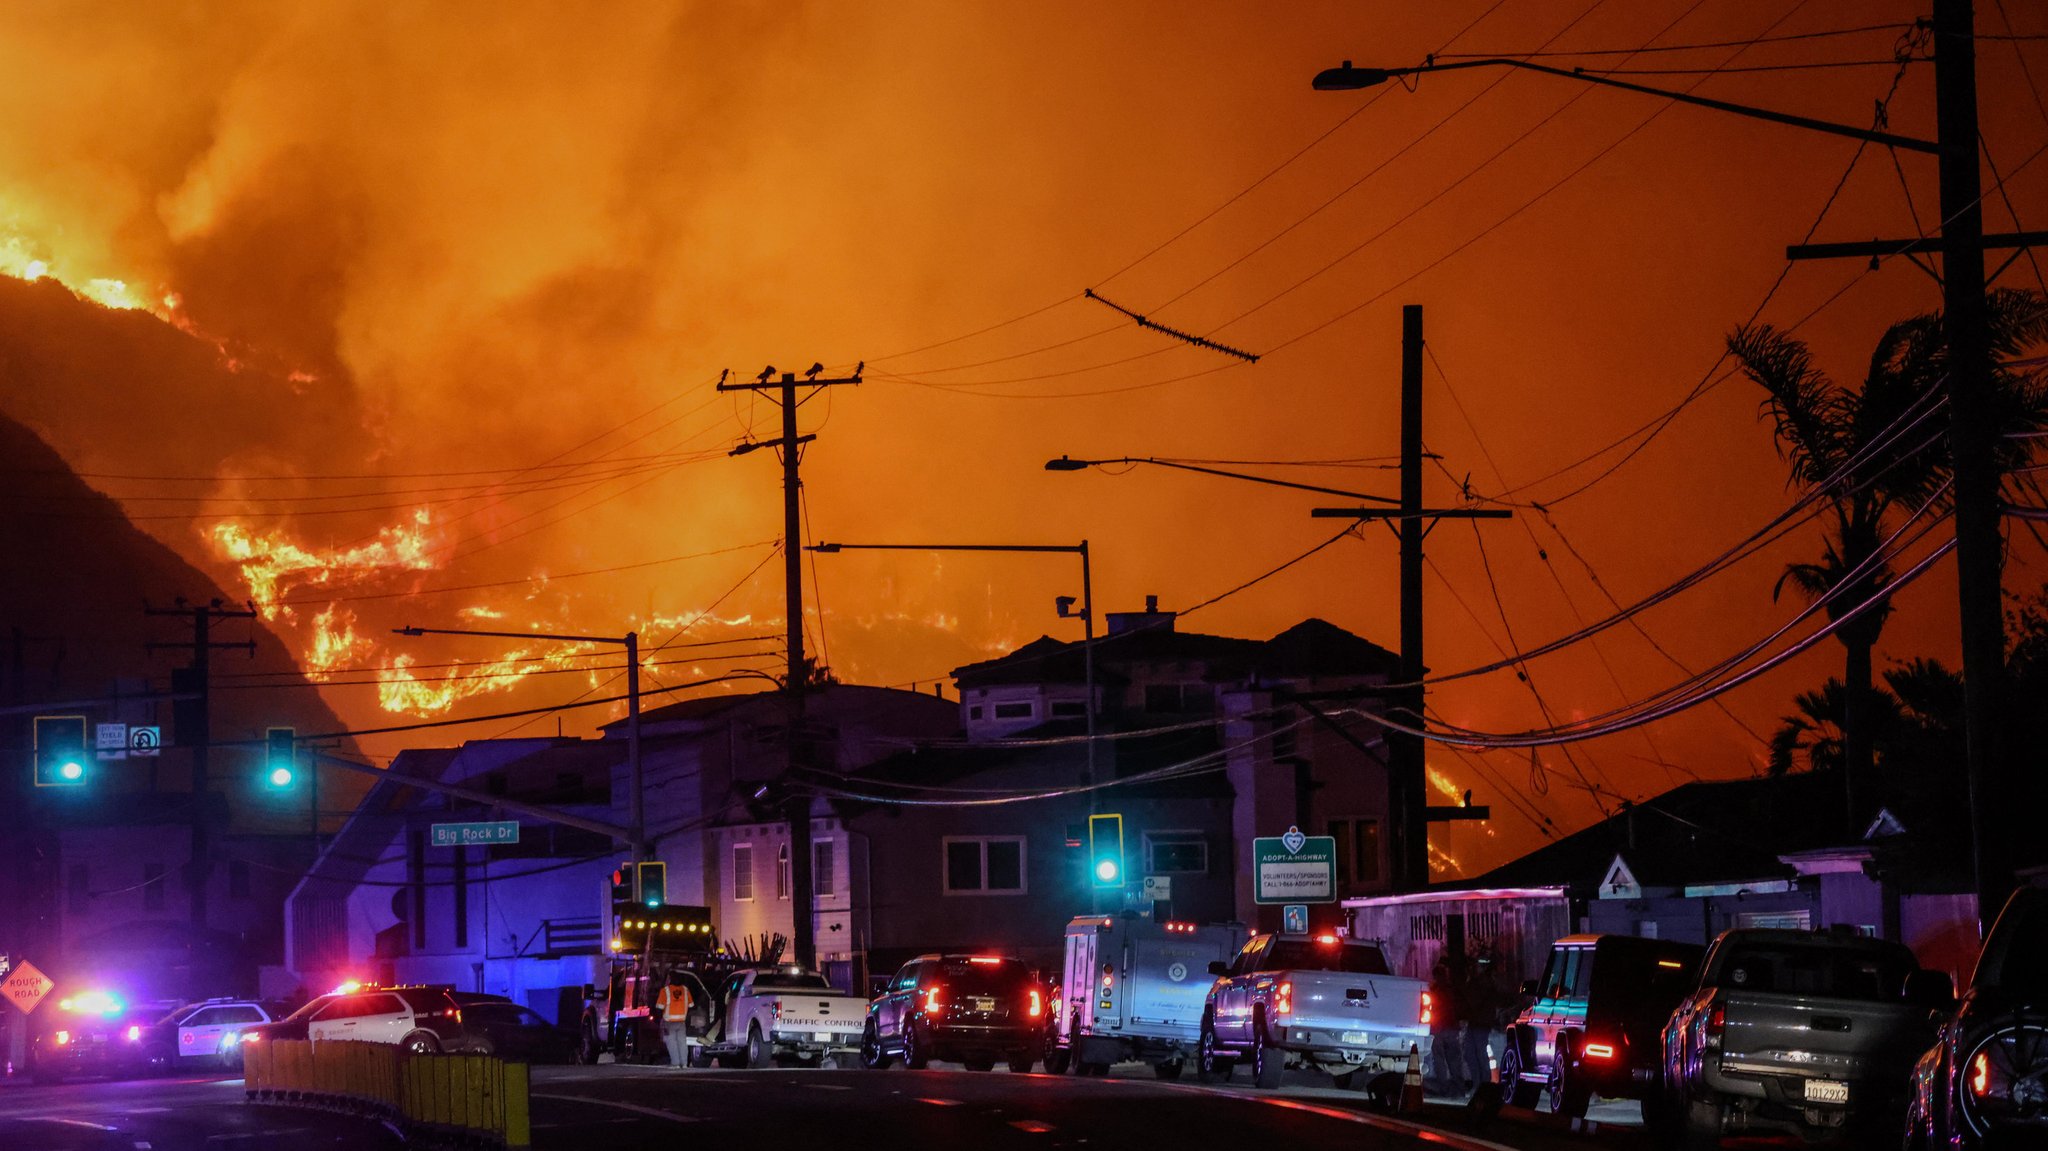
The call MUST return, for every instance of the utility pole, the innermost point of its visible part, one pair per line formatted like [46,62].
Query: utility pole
[196,715]
[796,808]
[1971,439]
[1407,777]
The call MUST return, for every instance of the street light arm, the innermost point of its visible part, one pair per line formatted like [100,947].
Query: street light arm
[1063,464]
[1347,77]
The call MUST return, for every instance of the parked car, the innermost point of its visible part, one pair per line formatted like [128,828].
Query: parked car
[767,1015]
[1984,1083]
[94,1033]
[1800,1031]
[1595,1021]
[1150,983]
[206,1034]
[976,1009]
[423,1019]
[509,1031]
[1325,1002]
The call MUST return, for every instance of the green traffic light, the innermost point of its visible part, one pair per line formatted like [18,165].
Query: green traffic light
[71,769]
[280,777]
[1105,870]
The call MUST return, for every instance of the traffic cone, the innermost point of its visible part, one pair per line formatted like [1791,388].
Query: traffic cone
[1411,1083]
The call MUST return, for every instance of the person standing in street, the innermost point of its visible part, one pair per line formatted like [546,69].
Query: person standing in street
[1484,1001]
[674,1004]
[1446,999]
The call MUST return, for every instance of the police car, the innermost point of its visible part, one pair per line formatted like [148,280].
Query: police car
[206,1034]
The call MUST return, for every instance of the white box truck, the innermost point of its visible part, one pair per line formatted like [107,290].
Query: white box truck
[1132,989]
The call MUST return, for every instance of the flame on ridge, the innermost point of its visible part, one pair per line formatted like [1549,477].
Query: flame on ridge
[19,259]
[271,562]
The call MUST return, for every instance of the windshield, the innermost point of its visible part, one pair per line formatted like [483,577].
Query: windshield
[969,975]
[791,983]
[2016,955]
[1833,972]
[1306,955]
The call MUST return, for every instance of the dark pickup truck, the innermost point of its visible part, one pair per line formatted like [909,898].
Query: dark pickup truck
[1800,1031]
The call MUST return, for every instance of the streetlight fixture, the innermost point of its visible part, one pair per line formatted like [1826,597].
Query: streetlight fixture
[1962,242]
[637,820]
[1065,607]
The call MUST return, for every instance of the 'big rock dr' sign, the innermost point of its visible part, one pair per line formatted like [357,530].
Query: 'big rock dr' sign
[1295,868]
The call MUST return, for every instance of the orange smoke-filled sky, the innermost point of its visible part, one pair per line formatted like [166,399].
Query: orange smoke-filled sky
[448,242]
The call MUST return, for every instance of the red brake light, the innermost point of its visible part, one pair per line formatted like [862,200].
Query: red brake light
[1428,1008]
[984,959]
[1717,1019]
[1326,938]
[931,1000]
[1599,1051]
[1980,1075]
[1037,1007]
[1284,998]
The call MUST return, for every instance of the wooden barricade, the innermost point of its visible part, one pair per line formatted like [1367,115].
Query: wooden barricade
[465,1098]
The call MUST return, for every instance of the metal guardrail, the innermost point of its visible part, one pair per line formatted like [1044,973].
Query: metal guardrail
[471,1098]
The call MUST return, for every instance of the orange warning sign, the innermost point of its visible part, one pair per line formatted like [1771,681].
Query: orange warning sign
[25,987]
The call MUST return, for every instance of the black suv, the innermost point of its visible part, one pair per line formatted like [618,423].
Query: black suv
[1985,1081]
[974,1009]
[1594,1021]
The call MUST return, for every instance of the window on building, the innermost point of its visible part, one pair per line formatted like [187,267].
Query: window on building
[152,887]
[742,872]
[984,865]
[824,870]
[78,889]
[1068,708]
[238,879]
[974,712]
[1176,853]
[782,871]
[1013,711]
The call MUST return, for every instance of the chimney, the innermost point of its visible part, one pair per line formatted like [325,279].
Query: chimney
[1123,621]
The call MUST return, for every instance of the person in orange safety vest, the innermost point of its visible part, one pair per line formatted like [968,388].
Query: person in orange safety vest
[674,1004]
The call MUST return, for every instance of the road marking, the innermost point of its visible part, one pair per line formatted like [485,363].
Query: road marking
[1031,1125]
[939,1102]
[144,1110]
[83,1123]
[1419,1131]
[655,1112]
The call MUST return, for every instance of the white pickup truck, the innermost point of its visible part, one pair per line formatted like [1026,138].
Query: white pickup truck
[1321,1002]
[782,1014]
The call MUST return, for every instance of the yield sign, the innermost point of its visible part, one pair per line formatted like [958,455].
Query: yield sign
[25,987]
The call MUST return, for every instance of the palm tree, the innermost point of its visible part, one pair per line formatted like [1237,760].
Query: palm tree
[1867,451]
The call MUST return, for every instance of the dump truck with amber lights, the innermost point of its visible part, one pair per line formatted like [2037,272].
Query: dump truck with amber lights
[1133,989]
[650,939]
[1321,1002]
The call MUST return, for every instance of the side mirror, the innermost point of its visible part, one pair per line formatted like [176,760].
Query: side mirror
[1218,967]
[1529,989]
[1933,990]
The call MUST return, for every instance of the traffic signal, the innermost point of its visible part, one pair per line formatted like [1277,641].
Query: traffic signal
[653,883]
[622,884]
[280,751]
[1106,850]
[61,754]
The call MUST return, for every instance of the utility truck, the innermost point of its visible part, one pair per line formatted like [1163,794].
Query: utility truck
[1133,989]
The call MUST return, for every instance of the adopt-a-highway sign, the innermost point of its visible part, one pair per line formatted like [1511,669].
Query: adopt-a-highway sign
[1294,868]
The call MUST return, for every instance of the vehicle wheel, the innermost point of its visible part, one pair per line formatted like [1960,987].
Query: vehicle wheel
[1267,1064]
[1021,1062]
[1056,1061]
[1702,1123]
[1210,1067]
[871,1056]
[758,1054]
[979,1064]
[422,1043]
[1514,1090]
[1568,1097]
[914,1055]
[1169,1070]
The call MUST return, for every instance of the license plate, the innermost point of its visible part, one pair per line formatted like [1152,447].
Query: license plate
[1357,1037]
[1827,1091]
[981,1004]
[821,1036]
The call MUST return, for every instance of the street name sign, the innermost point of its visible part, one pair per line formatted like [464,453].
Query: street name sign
[471,834]
[1294,868]
[25,987]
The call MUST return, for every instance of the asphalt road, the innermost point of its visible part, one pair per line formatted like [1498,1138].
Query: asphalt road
[183,1114]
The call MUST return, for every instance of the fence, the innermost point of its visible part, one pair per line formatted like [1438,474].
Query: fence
[468,1098]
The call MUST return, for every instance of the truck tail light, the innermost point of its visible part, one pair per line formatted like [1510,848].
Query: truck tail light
[1717,1020]
[932,1001]
[1599,1051]
[1283,998]
[1037,1005]
[775,1010]
[1428,1011]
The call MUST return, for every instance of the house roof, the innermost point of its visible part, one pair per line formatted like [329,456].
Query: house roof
[1711,831]
[1313,648]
